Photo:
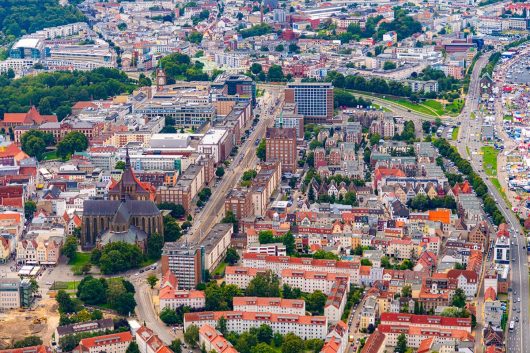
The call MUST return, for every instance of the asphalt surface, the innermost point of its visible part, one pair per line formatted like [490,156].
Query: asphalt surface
[246,159]
[517,341]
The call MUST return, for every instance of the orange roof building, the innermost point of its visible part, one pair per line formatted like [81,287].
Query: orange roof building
[32,117]
[440,215]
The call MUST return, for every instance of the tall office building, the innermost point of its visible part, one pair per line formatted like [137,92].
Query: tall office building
[281,146]
[314,100]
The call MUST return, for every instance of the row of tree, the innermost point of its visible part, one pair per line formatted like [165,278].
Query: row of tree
[480,188]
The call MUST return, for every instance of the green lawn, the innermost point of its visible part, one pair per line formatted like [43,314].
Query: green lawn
[468,152]
[220,270]
[489,160]
[508,117]
[472,115]
[435,105]
[78,261]
[455,133]
[69,286]
[49,156]
[420,108]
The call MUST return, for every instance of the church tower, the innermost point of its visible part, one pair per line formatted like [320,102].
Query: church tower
[160,77]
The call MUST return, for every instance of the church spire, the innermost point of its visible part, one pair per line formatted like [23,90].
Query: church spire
[127,158]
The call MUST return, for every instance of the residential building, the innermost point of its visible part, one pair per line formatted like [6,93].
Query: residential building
[171,297]
[213,340]
[149,342]
[281,146]
[190,261]
[239,201]
[269,305]
[113,343]
[306,327]
[289,118]
[84,327]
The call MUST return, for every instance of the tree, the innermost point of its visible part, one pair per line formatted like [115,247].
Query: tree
[66,304]
[119,256]
[86,268]
[152,280]
[406,292]
[221,325]
[374,139]
[168,316]
[29,209]
[219,172]
[401,346]
[34,143]
[279,47]
[69,247]
[459,298]
[261,151]
[389,65]
[176,346]
[125,304]
[230,218]
[195,37]
[315,302]
[177,210]
[275,73]
[191,336]
[73,141]
[262,348]
[292,344]
[154,246]
[239,16]
[92,291]
[289,242]
[265,334]
[133,348]
[172,231]
[28,342]
[245,342]
[264,285]
[256,68]
[232,257]
[120,165]
[366,262]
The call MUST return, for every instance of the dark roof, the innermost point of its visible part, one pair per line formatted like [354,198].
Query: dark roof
[109,208]
[89,326]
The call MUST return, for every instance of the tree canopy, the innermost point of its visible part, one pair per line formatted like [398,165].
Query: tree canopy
[60,90]
[18,18]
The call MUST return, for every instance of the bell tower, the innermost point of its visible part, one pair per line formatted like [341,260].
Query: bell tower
[160,77]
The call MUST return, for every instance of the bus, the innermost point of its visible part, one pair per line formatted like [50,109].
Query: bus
[512,325]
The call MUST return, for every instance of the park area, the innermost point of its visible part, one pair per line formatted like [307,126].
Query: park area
[432,107]
[489,160]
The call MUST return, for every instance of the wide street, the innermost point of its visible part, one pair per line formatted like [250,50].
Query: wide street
[213,212]
[470,140]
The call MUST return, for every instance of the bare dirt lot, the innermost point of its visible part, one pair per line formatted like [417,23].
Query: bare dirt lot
[41,321]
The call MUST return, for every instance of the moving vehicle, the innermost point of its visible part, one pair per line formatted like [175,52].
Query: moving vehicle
[512,325]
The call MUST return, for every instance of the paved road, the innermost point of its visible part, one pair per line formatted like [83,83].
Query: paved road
[245,159]
[518,341]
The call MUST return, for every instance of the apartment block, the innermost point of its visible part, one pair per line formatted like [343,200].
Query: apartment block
[306,327]
[269,305]
[113,343]
[281,146]
[149,342]
[171,297]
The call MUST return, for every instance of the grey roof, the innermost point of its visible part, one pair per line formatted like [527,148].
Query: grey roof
[89,326]
[131,236]
[109,208]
